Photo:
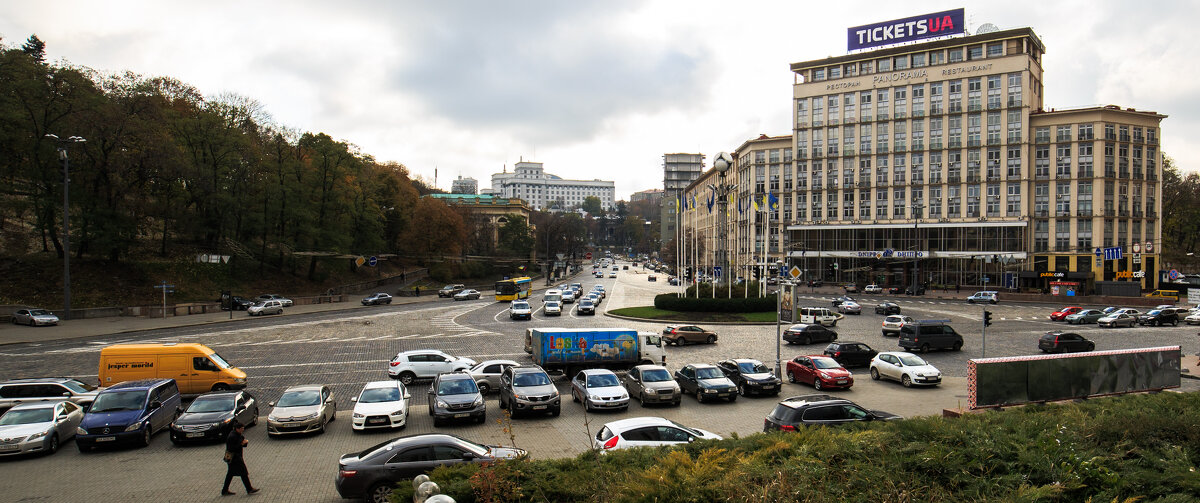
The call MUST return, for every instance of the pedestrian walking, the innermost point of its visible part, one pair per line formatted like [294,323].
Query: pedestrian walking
[417,290]
[233,457]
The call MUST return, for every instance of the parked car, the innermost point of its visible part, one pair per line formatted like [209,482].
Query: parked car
[818,315]
[844,298]
[1117,319]
[1193,318]
[552,308]
[803,333]
[819,371]
[286,302]
[302,409]
[130,412]
[1062,342]
[527,388]
[487,374]
[1085,316]
[39,427]
[988,296]
[914,290]
[850,288]
[647,432]
[1160,317]
[451,290]
[237,303]
[651,278]
[907,368]
[586,306]
[926,336]
[373,473]
[380,405]
[706,382]
[886,308]
[849,307]
[34,317]
[454,395]
[793,413]
[652,384]
[211,415]
[750,376]
[893,324]
[265,307]
[599,389]
[1062,314]
[894,290]
[467,294]
[46,389]
[850,353]
[873,289]
[680,335]
[520,310]
[377,298]
[408,366]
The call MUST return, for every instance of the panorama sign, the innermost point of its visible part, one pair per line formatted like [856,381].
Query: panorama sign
[937,24]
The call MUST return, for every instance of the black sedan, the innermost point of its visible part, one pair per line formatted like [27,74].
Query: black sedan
[808,333]
[211,416]
[706,382]
[751,376]
[238,304]
[886,308]
[850,353]
[372,473]
[1063,342]
[377,298]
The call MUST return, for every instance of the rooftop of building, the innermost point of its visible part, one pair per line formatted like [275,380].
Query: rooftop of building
[921,46]
[1095,108]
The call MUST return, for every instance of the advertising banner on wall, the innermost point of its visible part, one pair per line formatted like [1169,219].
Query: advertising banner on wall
[937,24]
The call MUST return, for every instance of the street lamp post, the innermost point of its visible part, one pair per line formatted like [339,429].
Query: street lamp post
[916,212]
[722,163]
[62,154]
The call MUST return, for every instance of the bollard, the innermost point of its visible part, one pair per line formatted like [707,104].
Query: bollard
[425,490]
[439,498]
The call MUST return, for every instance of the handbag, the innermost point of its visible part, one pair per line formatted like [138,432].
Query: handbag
[228,456]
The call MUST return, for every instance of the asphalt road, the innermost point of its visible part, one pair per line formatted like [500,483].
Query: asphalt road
[349,348]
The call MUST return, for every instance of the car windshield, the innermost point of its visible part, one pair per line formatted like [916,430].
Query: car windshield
[531,379]
[656,375]
[260,303]
[216,358]
[456,387]
[1155,312]
[586,302]
[912,360]
[685,428]
[825,363]
[28,416]
[602,380]
[300,398]
[753,368]
[222,404]
[77,386]
[38,312]
[708,373]
[118,400]
[520,305]
[552,304]
[377,395]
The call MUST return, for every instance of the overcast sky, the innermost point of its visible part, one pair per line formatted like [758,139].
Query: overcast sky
[595,89]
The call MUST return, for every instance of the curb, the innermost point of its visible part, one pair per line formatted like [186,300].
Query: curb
[742,323]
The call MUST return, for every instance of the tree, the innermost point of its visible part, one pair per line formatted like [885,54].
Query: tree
[591,204]
[515,237]
[435,230]
[35,48]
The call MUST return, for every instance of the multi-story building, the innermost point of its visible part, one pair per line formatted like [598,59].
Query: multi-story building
[652,196]
[679,170]
[937,163]
[464,186]
[530,183]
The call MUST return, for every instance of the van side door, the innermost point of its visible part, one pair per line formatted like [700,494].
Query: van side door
[179,368]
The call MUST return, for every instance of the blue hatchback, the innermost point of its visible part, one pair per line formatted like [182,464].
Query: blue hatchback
[129,413]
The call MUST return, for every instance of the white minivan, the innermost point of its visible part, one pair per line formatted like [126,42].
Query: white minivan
[820,315]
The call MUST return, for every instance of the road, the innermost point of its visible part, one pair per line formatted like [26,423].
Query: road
[349,348]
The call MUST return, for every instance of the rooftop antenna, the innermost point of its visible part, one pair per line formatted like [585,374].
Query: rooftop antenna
[986,28]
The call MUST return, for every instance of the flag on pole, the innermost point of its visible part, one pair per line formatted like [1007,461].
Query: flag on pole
[773,201]
[741,210]
[754,203]
[711,199]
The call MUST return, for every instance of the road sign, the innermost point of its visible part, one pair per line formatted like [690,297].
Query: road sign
[835,265]
[373,261]
[360,261]
[559,255]
[1099,252]
[588,256]
[795,272]
[717,271]
[1173,274]
[1149,247]
[1137,258]
[1113,253]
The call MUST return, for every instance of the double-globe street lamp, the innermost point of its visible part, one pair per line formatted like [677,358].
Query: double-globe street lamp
[62,145]
[916,213]
[722,163]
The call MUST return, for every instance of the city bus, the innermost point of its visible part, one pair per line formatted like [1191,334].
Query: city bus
[513,289]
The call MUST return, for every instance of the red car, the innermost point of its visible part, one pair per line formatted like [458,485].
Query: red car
[821,371]
[1062,314]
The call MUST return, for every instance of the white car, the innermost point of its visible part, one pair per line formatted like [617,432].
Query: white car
[487,374]
[1193,319]
[38,427]
[382,405]
[873,289]
[568,296]
[849,307]
[520,310]
[407,366]
[907,368]
[612,274]
[988,296]
[265,307]
[599,389]
[893,323]
[34,317]
[552,308]
[647,432]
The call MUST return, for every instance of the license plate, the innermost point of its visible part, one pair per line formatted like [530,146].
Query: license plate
[106,439]
[9,448]
[462,415]
[842,381]
[194,435]
[769,386]
[539,407]
[375,421]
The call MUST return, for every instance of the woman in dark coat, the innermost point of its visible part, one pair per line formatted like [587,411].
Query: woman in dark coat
[237,465]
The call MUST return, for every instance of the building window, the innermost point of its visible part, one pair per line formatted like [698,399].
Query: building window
[1041,162]
[935,202]
[1062,235]
[972,200]
[993,200]
[1014,89]
[898,202]
[884,65]
[1063,161]
[1041,199]
[1085,131]
[1041,235]
[995,49]
[1062,203]
[900,62]
[935,167]
[955,96]
[1013,207]
[937,57]
[918,60]
[956,55]
[975,52]
[1085,199]
[1083,229]
[953,201]
[1085,160]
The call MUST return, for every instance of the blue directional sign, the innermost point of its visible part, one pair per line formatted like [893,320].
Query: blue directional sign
[1113,253]
[373,261]
[717,271]
[1099,252]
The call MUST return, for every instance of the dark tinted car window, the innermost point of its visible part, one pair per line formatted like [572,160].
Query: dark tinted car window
[783,414]
[649,433]
[412,455]
[447,453]
[825,413]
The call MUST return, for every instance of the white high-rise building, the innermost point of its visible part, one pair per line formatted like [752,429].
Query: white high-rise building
[541,190]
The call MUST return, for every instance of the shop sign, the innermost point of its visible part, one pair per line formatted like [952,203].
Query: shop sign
[1131,274]
[1054,275]
[937,24]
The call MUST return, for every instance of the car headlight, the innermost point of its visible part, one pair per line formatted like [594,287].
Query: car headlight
[554,394]
[38,435]
[709,390]
[442,403]
[310,416]
[478,401]
[357,415]
[240,380]
[624,396]
[823,375]
[80,431]
[134,427]
[398,413]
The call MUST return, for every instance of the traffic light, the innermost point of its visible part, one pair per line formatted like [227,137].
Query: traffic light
[987,318]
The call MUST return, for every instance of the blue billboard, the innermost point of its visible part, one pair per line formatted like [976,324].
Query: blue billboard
[937,24]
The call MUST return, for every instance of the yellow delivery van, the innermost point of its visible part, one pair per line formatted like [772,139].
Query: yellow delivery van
[195,367]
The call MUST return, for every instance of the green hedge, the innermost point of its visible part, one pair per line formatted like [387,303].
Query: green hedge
[672,302]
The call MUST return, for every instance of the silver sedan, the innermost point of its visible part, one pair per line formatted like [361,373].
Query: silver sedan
[302,409]
[34,317]
[38,427]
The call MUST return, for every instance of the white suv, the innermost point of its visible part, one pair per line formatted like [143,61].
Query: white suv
[873,289]
[893,323]
[985,296]
[407,366]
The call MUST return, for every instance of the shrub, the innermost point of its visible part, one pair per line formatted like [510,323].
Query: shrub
[672,302]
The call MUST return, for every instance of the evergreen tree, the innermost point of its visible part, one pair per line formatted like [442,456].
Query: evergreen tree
[35,48]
